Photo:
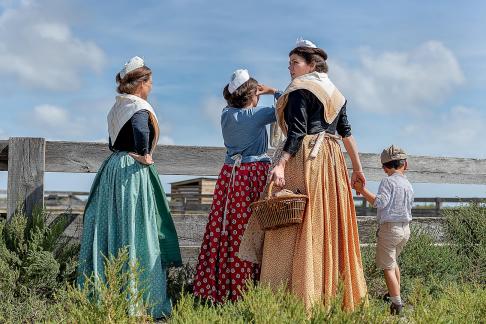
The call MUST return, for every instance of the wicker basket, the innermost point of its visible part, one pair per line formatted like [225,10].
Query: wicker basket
[275,212]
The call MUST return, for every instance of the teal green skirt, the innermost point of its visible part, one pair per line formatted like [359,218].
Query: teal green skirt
[127,207]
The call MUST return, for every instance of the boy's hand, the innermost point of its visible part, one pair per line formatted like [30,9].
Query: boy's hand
[358,176]
[358,186]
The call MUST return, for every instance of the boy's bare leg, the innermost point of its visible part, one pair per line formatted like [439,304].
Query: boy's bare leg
[392,282]
[397,274]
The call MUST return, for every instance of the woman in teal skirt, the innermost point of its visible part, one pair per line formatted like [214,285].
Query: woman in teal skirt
[127,206]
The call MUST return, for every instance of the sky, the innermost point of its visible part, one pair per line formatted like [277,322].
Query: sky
[413,72]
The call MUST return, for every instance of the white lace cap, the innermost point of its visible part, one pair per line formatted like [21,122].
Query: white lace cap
[304,43]
[133,64]
[238,77]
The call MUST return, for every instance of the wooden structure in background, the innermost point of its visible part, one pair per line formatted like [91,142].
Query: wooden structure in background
[189,194]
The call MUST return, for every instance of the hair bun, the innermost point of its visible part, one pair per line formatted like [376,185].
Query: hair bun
[322,53]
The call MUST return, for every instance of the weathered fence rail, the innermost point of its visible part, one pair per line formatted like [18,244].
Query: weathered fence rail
[27,159]
[182,203]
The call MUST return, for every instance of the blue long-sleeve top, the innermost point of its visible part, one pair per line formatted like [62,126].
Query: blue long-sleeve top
[244,132]
[136,135]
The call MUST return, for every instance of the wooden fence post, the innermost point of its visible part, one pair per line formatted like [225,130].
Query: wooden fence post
[26,166]
[438,206]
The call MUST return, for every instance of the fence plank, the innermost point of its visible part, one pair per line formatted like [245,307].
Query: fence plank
[170,159]
[203,161]
[87,157]
[26,162]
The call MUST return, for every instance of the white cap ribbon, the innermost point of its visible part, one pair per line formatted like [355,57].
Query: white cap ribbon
[134,63]
[304,43]
[238,77]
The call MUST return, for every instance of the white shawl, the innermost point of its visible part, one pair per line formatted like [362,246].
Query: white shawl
[325,91]
[125,107]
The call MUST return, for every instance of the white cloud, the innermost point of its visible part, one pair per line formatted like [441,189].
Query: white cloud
[42,52]
[55,122]
[166,140]
[212,107]
[54,31]
[58,123]
[392,81]
[457,132]
[50,116]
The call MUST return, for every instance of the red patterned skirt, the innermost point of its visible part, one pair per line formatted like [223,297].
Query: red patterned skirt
[220,274]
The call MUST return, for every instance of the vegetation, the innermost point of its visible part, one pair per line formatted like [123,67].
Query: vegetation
[441,283]
[35,262]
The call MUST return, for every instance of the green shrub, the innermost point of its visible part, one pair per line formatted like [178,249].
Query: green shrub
[465,230]
[43,257]
[262,305]
[35,262]
[117,299]
[433,263]
[257,305]
[458,303]
[180,281]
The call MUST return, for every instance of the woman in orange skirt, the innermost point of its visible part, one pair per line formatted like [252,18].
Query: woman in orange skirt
[313,258]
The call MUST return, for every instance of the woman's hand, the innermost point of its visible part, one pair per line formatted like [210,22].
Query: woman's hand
[358,186]
[358,181]
[352,149]
[144,159]
[263,90]
[277,175]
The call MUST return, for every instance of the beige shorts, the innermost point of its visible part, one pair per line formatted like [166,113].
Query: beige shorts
[392,237]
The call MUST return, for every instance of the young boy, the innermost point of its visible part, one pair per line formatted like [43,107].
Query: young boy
[394,204]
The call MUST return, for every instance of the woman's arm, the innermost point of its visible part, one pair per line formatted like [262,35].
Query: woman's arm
[296,117]
[352,149]
[344,129]
[141,135]
[263,90]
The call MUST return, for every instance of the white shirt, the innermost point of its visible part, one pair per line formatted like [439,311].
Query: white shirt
[394,199]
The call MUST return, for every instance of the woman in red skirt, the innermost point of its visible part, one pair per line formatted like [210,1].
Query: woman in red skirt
[220,274]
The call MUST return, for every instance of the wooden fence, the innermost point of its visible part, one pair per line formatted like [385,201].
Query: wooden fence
[27,159]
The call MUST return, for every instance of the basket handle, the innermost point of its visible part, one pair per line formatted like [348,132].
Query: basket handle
[269,190]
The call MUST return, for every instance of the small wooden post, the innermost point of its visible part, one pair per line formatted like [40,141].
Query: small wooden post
[438,206]
[26,166]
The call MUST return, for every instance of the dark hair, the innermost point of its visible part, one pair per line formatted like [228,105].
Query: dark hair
[395,164]
[132,79]
[312,55]
[242,96]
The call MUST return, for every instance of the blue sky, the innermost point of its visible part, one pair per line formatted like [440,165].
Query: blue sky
[414,72]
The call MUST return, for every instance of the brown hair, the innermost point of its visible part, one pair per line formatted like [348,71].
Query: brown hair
[243,95]
[394,164]
[132,80]
[312,55]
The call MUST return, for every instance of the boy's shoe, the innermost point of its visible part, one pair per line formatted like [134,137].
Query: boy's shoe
[395,309]
[386,297]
